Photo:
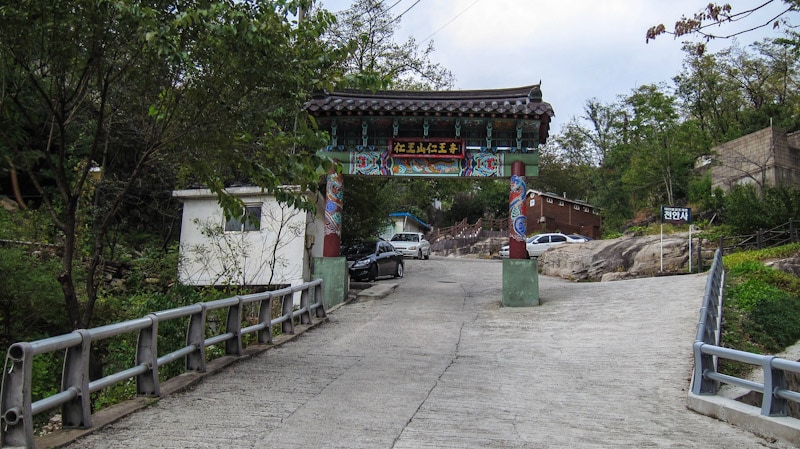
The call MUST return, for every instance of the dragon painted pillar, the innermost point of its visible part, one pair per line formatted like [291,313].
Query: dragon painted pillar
[333,216]
[517,217]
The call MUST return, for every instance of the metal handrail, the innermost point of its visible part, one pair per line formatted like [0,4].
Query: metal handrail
[707,351]
[17,408]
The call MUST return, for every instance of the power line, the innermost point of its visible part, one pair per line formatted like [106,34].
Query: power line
[448,23]
[404,12]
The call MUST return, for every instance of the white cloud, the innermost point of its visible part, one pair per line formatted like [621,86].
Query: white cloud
[579,49]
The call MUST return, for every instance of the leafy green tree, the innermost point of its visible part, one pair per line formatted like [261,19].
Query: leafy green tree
[98,95]
[376,60]
[662,149]
[366,206]
[709,96]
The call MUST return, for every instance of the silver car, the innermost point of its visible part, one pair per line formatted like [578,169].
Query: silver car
[540,243]
[412,244]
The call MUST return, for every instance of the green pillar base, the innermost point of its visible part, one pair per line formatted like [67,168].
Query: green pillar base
[335,279]
[520,283]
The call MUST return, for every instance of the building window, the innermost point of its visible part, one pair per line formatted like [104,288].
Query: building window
[586,209]
[560,203]
[250,221]
[576,207]
[549,200]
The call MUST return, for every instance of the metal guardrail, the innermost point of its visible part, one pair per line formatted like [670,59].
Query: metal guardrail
[17,409]
[707,351]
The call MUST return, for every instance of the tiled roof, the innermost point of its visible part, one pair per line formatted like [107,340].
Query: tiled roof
[522,101]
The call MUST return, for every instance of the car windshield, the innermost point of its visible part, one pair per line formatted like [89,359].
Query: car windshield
[405,238]
[358,248]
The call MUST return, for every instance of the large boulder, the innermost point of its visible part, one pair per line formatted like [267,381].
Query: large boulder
[621,258]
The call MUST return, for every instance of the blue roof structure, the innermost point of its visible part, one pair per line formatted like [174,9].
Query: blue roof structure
[412,217]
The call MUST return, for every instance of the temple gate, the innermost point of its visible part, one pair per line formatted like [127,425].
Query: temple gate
[468,134]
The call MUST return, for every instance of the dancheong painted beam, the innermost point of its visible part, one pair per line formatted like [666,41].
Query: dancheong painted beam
[475,133]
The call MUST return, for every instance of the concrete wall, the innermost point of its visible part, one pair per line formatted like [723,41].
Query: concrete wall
[274,254]
[767,157]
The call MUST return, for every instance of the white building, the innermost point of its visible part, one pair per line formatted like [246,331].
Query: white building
[272,244]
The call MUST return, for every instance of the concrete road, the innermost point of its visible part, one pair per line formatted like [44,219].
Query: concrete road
[440,364]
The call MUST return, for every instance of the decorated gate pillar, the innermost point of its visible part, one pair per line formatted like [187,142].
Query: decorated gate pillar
[331,267]
[468,134]
[333,215]
[517,217]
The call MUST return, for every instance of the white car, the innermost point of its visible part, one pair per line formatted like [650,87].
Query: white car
[411,244]
[540,243]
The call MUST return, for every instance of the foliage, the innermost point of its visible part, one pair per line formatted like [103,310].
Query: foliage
[30,298]
[486,199]
[99,96]
[762,308]
[747,210]
[367,204]
[715,15]
[378,62]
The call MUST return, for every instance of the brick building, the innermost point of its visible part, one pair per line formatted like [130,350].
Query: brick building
[548,212]
[769,157]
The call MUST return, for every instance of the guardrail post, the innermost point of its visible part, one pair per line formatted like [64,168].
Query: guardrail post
[265,317]
[287,327]
[77,413]
[17,417]
[234,325]
[702,363]
[147,383]
[305,303]
[196,336]
[774,379]
[319,301]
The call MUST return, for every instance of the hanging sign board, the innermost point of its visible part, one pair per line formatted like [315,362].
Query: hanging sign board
[427,148]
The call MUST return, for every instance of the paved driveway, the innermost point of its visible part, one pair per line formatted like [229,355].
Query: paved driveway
[439,364]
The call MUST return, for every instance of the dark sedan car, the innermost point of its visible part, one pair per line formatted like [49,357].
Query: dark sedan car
[368,260]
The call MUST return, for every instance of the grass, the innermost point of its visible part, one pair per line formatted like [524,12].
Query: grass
[762,305]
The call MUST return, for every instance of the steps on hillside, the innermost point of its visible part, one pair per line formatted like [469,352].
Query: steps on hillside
[484,248]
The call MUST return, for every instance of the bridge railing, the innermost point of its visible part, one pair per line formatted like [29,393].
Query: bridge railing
[707,352]
[17,409]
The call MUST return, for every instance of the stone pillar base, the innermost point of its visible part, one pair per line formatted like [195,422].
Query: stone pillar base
[520,283]
[335,279]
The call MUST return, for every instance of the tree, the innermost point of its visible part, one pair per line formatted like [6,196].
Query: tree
[662,149]
[709,96]
[715,15]
[96,94]
[378,62]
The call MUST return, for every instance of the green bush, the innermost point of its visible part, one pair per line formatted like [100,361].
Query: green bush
[762,308]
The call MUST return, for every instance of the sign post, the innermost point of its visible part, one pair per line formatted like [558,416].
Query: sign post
[676,215]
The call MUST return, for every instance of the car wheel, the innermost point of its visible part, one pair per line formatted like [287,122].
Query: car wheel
[419,255]
[373,272]
[398,270]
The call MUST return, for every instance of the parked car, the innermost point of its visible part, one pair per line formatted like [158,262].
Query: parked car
[540,243]
[411,244]
[367,260]
[577,238]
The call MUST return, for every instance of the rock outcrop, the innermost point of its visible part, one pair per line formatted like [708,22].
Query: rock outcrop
[622,258]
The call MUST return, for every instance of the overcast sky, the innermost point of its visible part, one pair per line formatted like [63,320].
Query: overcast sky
[579,49]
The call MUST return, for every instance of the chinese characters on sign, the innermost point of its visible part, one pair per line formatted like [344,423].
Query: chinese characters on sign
[676,215]
[431,148]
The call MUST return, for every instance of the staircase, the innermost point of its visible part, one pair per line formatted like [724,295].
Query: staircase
[483,238]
